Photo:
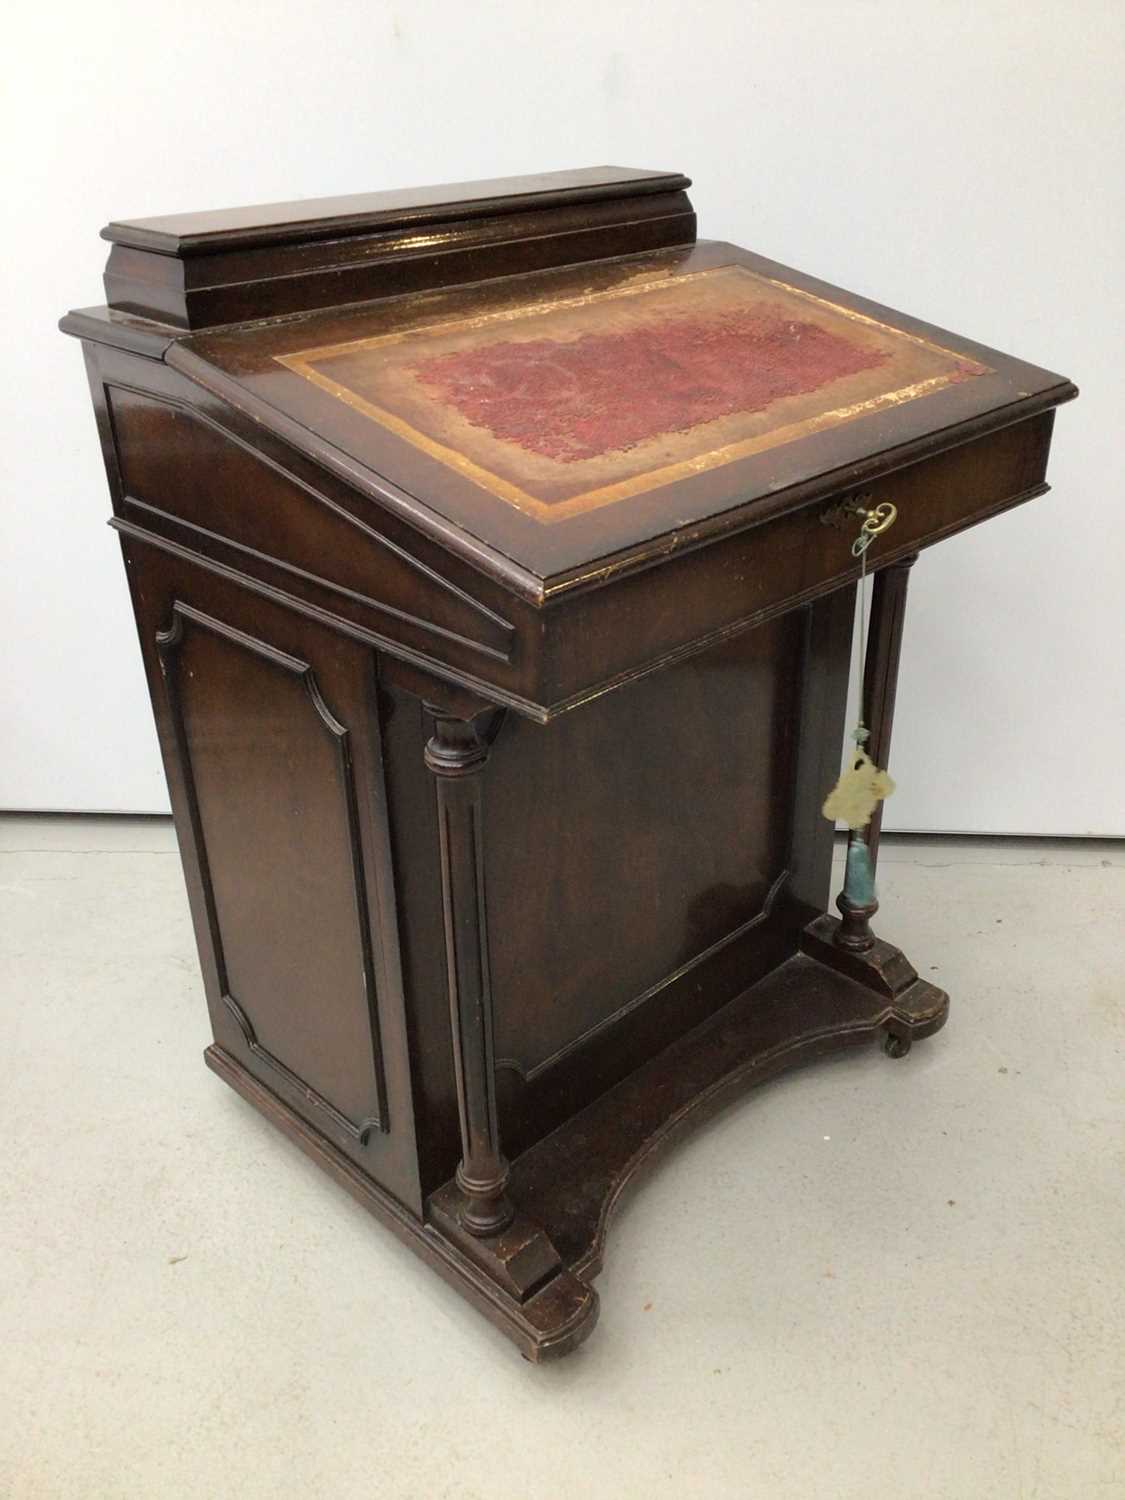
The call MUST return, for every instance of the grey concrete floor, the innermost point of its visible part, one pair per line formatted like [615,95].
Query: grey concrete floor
[868,1279]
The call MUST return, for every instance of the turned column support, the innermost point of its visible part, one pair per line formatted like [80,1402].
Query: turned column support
[880,670]
[854,931]
[880,684]
[457,754]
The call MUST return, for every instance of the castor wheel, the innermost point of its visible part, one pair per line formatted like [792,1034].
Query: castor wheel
[895,1045]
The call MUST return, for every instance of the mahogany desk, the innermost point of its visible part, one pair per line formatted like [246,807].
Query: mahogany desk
[485,548]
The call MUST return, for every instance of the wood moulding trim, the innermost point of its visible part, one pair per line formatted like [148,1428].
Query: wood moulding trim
[415,621]
[118,330]
[332,621]
[518,579]
[168,643]
[311,219]
[750,514]
[504,627]
[819,590]
[529,1075]
[541,713]
[360,1132]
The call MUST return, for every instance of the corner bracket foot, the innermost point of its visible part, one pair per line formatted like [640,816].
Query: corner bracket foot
[915,1008]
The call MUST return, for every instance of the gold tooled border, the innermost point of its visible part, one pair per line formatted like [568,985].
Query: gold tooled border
[302,362]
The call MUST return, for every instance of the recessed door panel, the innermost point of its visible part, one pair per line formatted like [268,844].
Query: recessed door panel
[270,779]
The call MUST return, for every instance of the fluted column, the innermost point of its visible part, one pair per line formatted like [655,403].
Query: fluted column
[457,754]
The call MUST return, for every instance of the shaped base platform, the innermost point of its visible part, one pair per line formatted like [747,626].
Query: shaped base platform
[532,1279]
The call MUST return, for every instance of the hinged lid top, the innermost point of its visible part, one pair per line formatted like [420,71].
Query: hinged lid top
[581,420]
[548,375]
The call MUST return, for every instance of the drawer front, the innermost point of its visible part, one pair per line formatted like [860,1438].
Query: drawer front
[613,633]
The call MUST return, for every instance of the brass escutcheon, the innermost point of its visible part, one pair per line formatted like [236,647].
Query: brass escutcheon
[876,518]
[879,519]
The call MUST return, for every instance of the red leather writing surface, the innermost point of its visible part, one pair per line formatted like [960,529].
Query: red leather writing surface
[607,391]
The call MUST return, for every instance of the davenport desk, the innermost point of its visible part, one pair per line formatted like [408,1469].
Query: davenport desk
[490,550]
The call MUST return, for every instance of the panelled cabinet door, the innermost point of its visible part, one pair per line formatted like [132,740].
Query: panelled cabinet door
[273,726]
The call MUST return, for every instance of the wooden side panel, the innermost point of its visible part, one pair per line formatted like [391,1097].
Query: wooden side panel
[270,731]
[199,483]
[637,853]
[647,857]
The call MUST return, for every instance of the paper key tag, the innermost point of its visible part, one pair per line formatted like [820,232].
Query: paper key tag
[858,792]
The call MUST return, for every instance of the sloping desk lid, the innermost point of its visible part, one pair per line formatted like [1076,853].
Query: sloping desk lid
[557,426]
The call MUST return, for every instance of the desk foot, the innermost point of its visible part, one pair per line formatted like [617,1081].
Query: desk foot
[514,1278]
[916,1008]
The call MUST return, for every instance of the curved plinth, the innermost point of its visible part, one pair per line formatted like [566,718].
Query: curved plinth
[571,1182]
[531,1279]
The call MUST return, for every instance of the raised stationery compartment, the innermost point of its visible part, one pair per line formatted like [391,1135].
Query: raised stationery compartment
[225,266]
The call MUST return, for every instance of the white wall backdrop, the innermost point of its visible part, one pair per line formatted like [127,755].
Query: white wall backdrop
[960,160]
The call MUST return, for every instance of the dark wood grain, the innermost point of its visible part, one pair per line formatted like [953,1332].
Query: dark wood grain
[202,270]
[551,1322]
[268,769]
[502,835]
[572,1181]
[242,366]
[260,512]
[281,817]
[306,219]
[457,754]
